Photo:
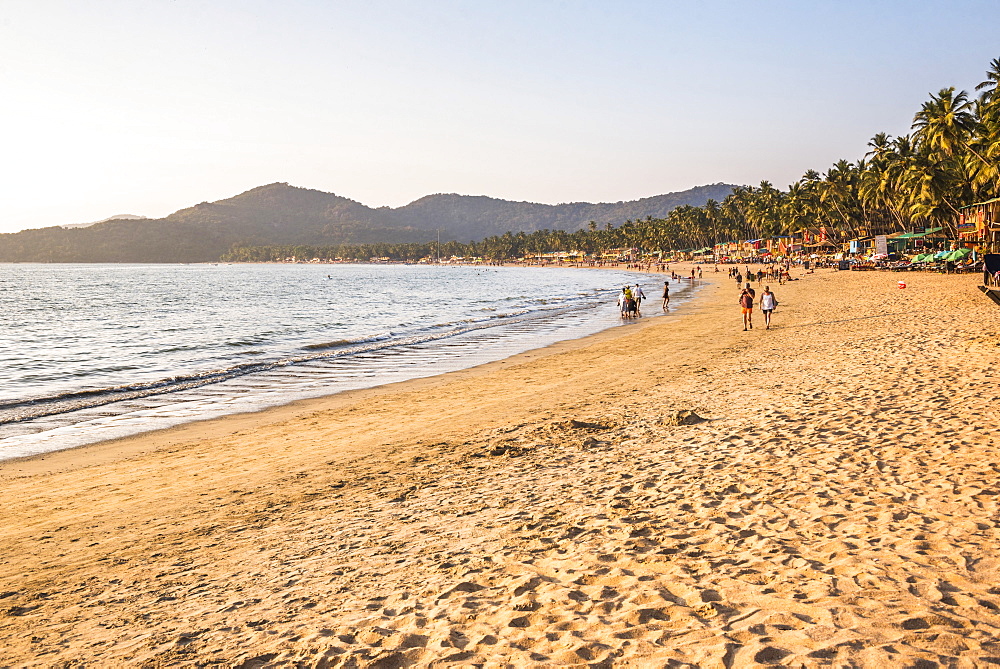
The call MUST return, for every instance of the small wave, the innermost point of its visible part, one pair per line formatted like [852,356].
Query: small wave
[243,342]
[330,344]
[337,343]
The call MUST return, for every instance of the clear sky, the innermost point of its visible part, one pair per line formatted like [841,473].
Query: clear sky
[147,106]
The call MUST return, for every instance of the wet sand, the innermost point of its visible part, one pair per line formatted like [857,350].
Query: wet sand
[838,506]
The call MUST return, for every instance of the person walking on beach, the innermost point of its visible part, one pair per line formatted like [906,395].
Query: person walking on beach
[639,296]
[666,294]
[623,299]
[767,304]
[699,272]
[746,305]
[627,302]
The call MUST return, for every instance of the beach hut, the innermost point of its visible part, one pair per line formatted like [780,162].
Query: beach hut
[860,245]
[822,246]
[978,226]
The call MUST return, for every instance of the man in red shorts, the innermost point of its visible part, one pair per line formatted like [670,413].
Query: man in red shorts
[746,304]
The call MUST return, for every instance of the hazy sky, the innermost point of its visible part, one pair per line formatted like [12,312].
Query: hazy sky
[145,107]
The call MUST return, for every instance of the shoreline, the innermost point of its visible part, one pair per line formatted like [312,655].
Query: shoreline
[837,504]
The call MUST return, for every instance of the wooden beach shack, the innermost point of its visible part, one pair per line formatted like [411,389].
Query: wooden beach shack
[978,228]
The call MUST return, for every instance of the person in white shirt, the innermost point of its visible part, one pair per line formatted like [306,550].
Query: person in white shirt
[639,296]
[624,298]
[767,304]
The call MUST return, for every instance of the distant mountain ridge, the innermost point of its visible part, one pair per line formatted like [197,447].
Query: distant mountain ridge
[473,217]
[116,217]
[280,214]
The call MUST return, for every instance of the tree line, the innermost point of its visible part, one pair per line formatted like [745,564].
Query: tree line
[948,160]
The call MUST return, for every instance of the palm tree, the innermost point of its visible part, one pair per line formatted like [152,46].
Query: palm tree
[989,87]
[712,213]
[839,191]
[931,183]
[880,144]
[945,123]
[987,142]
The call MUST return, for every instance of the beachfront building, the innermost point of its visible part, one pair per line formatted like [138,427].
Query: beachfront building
[979,226]
[920,241]
[917,241]
[724,250]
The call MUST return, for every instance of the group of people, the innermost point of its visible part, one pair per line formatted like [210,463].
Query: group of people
[777,273]
[631,297]
[629,301]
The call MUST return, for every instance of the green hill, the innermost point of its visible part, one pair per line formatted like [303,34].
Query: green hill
[279,214]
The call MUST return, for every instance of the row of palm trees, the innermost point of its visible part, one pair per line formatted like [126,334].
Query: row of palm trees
[950,159]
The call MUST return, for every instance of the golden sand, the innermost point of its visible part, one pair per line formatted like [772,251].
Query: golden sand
[837,507]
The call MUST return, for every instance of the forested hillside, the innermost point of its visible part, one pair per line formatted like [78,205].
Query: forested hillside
[475,218]
[282,215]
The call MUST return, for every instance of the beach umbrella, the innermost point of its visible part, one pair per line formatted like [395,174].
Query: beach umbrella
[952,256]
[960,254]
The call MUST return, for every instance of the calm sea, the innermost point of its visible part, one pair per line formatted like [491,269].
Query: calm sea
[93,352]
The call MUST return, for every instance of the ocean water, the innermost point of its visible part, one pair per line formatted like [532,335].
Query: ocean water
[93,352]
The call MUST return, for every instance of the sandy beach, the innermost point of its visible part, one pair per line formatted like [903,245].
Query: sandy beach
[832,502]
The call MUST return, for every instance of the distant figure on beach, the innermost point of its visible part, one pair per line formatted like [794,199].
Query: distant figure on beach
[666,294]
[767,304]
[746,305]
[692,273]
[739,278]
[639,296]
